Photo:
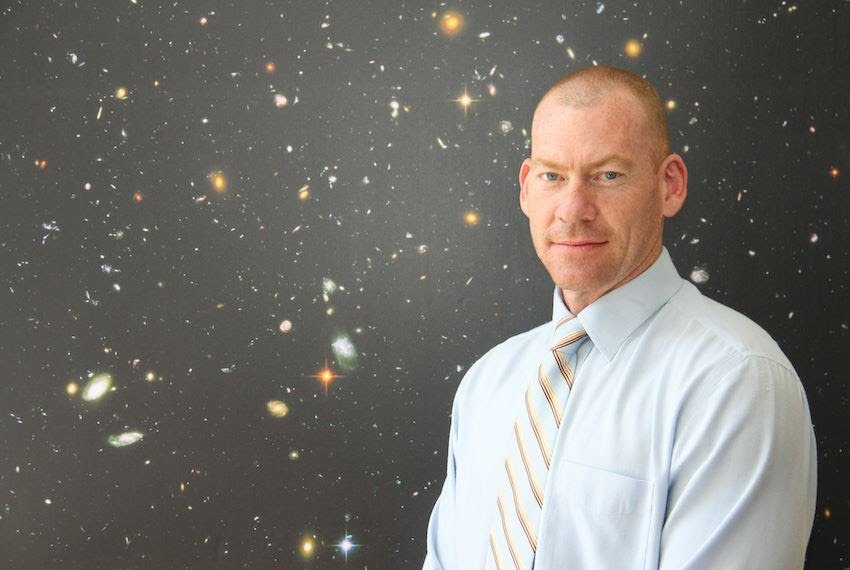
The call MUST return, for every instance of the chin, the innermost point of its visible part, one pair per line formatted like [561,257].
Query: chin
[577,270]
[579,279]
[577,283]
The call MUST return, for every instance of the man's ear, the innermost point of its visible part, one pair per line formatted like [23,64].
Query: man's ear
[524,169]
[675,181]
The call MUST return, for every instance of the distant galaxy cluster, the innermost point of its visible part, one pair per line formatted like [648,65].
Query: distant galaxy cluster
[250,251]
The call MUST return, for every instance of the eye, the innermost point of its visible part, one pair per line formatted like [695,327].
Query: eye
[610,175]
[550,176]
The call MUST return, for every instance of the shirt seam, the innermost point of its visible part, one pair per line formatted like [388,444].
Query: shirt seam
[675,303]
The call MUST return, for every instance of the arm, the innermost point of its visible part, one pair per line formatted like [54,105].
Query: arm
[441,527]
[743,474]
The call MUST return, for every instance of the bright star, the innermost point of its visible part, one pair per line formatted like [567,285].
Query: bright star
[465,101]
[326,376]
[346,545]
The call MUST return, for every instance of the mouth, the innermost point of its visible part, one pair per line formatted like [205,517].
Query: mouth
[578,245]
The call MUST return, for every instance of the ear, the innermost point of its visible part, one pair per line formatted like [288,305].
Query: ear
[524,169]
[674,177]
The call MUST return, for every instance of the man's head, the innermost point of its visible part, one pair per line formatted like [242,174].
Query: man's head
[600,181]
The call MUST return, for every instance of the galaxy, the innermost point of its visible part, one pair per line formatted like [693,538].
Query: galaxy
[250,250]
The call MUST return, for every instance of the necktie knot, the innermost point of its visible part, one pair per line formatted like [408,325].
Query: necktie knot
[568,335]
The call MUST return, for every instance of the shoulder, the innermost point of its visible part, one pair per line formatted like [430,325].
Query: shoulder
[725,371]
[515,345]
[712,327]
[488,372]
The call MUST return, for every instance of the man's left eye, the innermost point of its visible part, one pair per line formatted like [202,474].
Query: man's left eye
[610,175]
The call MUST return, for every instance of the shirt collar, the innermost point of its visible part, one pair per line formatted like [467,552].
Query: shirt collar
[614,316]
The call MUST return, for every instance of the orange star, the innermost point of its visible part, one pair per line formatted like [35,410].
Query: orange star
[326,376]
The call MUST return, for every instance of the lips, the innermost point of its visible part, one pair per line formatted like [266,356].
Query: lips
[578,245]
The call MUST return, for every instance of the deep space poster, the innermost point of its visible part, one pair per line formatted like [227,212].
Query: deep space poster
[249,249]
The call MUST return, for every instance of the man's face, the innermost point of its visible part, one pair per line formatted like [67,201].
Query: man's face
[593,195]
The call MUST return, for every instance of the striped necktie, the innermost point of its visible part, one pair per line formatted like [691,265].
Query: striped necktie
[513,534]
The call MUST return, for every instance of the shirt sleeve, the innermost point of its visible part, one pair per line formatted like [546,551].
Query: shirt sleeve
[441,554]
[743,473]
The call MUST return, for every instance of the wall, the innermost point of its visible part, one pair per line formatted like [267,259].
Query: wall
[206,205]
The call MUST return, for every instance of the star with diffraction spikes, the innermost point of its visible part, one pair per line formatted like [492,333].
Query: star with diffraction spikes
[465,100]
[346,545]
[326,376]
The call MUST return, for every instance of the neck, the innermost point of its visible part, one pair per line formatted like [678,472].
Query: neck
[577,301]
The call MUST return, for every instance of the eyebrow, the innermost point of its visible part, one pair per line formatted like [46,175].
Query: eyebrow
[614,157]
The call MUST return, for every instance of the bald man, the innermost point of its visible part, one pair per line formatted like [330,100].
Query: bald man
[645,426]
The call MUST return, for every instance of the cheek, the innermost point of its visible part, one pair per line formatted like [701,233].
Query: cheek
[537,226]
[536,215]
[642,221]
[632,214]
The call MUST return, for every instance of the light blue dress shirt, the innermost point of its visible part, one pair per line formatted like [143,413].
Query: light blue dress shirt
[686,442]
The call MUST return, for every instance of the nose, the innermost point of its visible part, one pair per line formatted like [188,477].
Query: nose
[576,202]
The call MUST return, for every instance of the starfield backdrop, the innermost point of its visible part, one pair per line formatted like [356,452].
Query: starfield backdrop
[249,249]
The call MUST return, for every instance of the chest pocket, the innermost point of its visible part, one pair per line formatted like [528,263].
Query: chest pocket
[593,519]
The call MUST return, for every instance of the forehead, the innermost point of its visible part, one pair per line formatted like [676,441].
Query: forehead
[615,123]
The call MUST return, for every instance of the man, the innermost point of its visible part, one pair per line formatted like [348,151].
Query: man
[646,426]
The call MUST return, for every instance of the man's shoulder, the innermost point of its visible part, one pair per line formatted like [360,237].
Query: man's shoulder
[517,345]
[510,352]
[725,328]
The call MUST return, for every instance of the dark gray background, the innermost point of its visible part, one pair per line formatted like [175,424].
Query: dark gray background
[206,277]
